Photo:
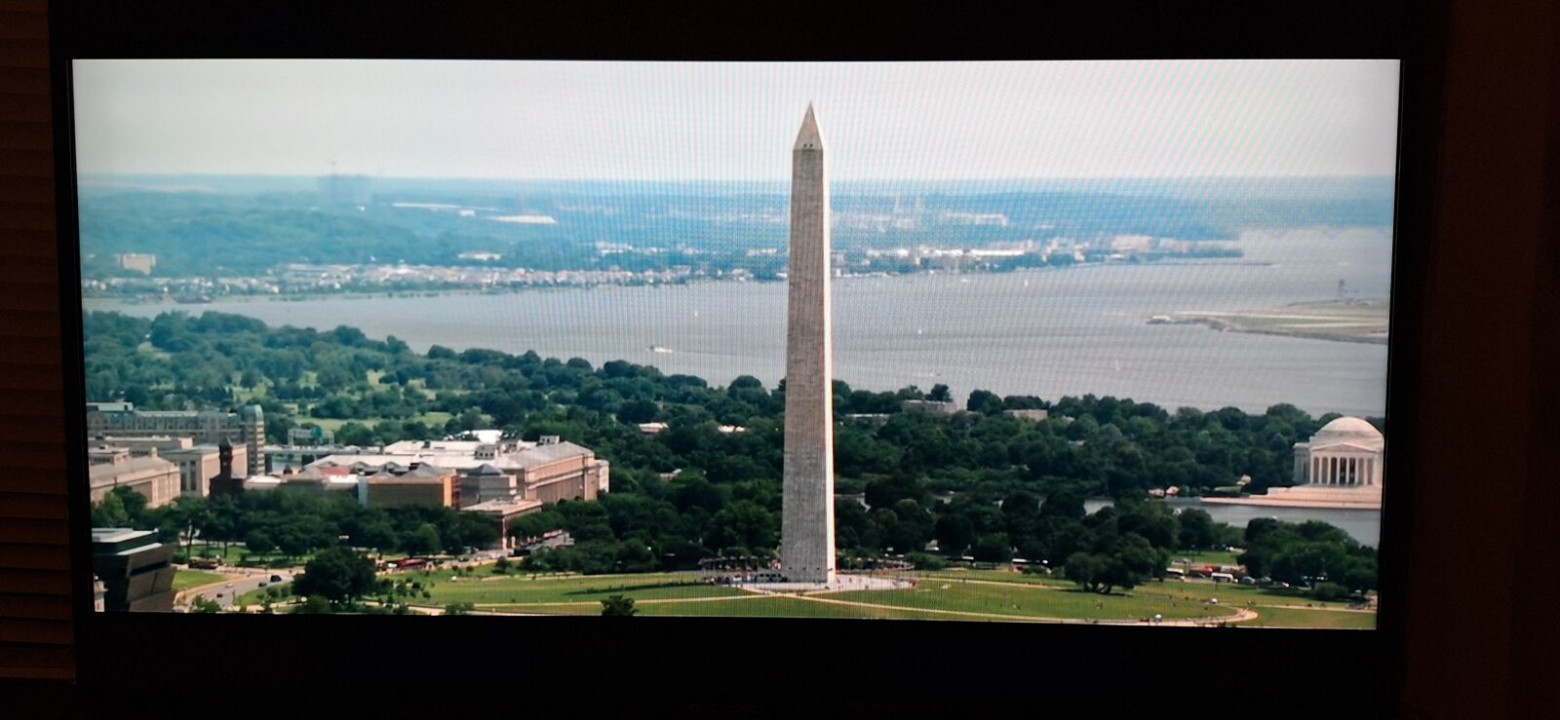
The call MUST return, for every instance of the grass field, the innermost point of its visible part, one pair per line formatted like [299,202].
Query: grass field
[235,554]
[186,579]
[1305,618]
[995,576]
[485,589]
[1034,601]
[1207,557]
[979,595]
[745,605]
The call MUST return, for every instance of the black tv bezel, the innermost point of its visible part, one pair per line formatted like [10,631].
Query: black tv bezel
[749,664]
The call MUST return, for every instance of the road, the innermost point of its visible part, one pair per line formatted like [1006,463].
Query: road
[251,580]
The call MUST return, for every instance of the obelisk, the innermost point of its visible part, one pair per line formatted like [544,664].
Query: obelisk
[807,522]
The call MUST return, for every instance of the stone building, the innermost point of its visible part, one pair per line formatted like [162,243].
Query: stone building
[244,427]
[153,477]
[548,470]
[198,464]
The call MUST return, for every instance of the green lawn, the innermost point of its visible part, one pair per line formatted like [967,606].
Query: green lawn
[186,579]
[236,552]
[996,576]
[989,595]
[486,588]
[1206,557]
[256,597]
[1306,618]
[1036,601]
[743,605]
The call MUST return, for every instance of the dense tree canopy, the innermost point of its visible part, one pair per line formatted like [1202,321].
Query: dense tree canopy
[978,483]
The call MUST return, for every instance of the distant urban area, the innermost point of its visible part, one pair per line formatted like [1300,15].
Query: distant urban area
[197,240]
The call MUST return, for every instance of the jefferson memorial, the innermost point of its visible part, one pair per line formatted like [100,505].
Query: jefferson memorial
[1339,468]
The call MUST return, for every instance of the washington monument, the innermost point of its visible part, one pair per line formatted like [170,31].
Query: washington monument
[807,523]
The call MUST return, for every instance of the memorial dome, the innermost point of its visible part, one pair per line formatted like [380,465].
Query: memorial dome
[1351,430]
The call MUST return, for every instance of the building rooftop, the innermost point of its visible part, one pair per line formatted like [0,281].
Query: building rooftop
[503,507]
[118,535]
[455,456]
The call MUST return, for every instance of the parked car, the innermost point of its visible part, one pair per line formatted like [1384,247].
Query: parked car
[276,578]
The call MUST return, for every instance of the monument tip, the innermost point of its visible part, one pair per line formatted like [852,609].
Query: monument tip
[810,137]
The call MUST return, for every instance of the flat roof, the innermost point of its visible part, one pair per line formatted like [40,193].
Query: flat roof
[115,535]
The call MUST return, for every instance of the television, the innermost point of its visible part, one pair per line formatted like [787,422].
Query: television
[1079,389]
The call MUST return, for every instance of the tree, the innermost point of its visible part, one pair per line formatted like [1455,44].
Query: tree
[1021,515]
[292,541]
[464,608]
[985,402]
[1086,569]
[940,393]
[638,411]
[618,606]
[204,606]
[743,523]
[259,541]
[339,575]
[954,532]
[993,547]
[422,541]
[110,512]
[1135,561]
[1197,531]
[1063,503]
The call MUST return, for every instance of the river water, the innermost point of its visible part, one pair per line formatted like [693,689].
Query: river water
[1362,525]
[1045,332]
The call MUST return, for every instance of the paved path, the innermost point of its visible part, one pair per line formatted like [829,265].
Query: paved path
[1239,616]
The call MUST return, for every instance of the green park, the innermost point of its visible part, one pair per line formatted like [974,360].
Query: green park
[983,486]
[954,594]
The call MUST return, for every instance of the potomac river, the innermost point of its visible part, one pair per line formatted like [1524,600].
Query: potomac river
[1049,332]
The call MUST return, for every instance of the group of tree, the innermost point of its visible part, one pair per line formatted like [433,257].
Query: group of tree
[296,523]
[1311,554]
[1097,445]
[970,481]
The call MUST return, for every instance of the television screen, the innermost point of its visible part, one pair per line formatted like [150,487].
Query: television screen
[1096,341]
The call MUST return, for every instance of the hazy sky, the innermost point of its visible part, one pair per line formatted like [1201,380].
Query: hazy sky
[736,121]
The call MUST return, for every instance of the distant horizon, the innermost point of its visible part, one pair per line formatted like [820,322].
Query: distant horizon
[724,121]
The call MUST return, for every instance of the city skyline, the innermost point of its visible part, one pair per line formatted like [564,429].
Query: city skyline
[718,121]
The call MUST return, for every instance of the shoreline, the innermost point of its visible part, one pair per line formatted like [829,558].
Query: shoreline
[101,302]
[1223,326]
[1264,501]
[1351,321]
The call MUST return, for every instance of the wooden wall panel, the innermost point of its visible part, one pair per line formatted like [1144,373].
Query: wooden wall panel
[35,621]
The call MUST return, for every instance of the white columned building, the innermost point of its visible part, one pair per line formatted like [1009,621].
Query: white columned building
[1345,453]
